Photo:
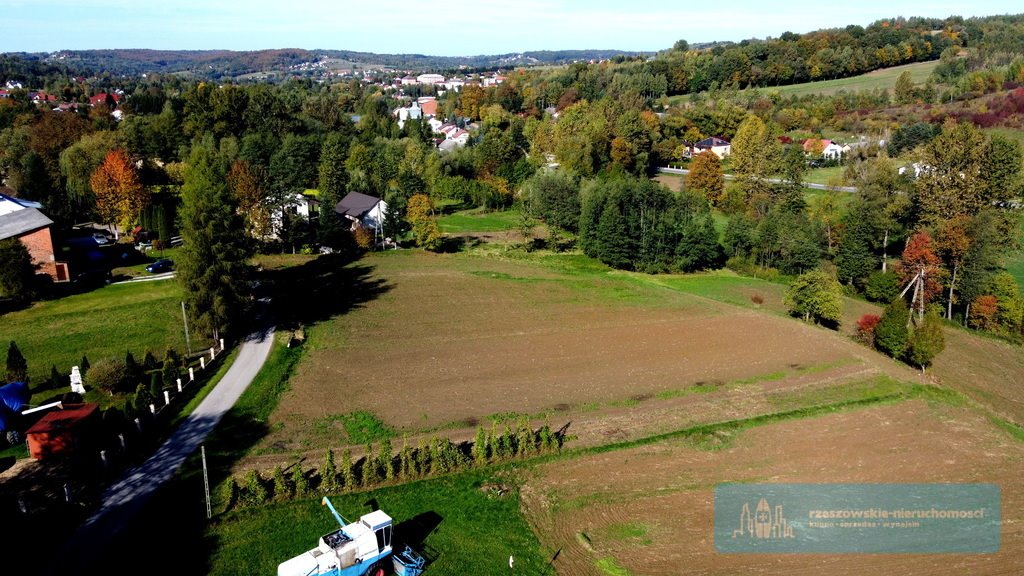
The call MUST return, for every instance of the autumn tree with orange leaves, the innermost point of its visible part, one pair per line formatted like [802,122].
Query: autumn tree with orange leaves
[921,269]
[120,196]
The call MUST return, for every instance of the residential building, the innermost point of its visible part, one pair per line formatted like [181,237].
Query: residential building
[362,210]
[22,220]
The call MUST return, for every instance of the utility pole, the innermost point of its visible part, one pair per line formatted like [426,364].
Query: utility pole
[184,318]
[206,483]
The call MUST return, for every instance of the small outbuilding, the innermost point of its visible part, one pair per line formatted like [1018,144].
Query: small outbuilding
[64,432]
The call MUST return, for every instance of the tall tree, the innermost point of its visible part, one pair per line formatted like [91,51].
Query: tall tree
[120,196]
[212,262]
[921,270]
[952,239]
[706,177]
[954,183]
[554,196]
[248,184]
[755,156]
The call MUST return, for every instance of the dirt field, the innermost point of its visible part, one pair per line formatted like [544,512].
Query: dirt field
[456,339]
[649,510]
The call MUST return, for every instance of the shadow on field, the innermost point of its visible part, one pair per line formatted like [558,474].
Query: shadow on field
[320,289]
[415,530]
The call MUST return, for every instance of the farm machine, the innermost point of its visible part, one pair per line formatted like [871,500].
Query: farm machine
[354,549]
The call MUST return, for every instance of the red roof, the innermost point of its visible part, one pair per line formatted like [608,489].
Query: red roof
[60,420]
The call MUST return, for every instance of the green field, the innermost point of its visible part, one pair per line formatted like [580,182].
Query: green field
[479,221]
[884,79]
[106,322]
[465,529]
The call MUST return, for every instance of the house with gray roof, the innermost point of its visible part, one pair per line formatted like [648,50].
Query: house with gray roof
[21,220]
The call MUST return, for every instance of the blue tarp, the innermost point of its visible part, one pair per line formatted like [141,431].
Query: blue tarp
[13,397]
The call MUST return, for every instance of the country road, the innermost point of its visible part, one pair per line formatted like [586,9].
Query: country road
[123,499]
[772,180]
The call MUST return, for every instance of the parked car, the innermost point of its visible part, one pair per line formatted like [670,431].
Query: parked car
[100,238]
[160,266]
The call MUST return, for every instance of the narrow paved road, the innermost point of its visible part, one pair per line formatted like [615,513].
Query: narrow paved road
[772,180]
[123,499]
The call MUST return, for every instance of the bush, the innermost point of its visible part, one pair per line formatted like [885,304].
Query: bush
[328,473]
[229,493]
[882,287]
[866,329]
[926,342]
[282,489]
[254,493]
[109,375]
[891,335]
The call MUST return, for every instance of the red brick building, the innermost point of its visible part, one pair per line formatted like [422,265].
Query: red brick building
[19,219]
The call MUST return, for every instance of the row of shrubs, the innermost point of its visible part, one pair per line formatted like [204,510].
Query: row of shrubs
[439,456]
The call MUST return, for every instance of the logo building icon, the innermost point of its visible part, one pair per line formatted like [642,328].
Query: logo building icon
[763,524]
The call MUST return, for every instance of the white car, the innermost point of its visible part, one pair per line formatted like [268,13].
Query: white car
[100,238]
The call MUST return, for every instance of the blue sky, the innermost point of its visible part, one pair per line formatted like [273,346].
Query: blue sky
[443,27]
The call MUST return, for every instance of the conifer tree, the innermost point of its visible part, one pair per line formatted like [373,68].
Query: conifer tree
[300,484]
[891,333]
[480,447]
[212,262]
[328,473]
[348,472]
[17,366]
[926,342]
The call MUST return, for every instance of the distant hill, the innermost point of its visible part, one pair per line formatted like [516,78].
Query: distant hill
[227,63]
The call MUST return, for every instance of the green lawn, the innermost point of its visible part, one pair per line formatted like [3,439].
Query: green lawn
[106,322]
[827,176]
[479,221]
[466,530]
[884,79]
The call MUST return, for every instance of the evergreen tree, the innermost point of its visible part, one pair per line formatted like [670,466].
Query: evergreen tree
[348,471]
[17,366]
[926,342]
[282,489]
[169,373]
[333,184]
[891,334]
[212,262]
[133,372]
[229,493]
[300,484]
[17,272]
[384,459]
[480,447]
[149,361]
[328,473]
[855,260]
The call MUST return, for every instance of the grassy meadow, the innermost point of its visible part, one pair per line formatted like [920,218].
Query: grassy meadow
[105,322]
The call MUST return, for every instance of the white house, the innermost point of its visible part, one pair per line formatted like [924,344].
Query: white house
[430,79]
[413,112]
[362,210]
[718,146]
